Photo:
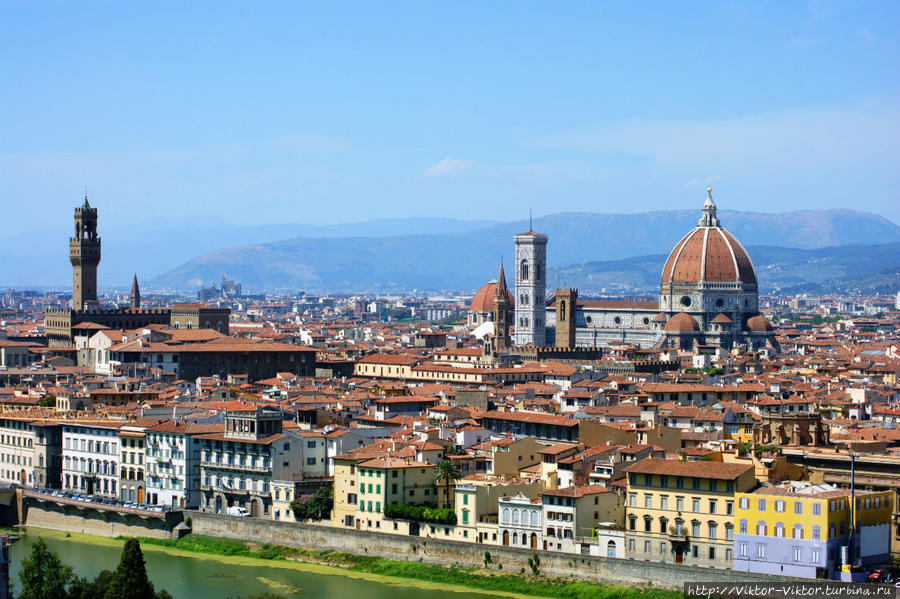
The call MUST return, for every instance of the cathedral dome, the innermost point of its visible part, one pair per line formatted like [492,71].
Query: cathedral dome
[484,298]
[682,323]
[709,253]
[759,324]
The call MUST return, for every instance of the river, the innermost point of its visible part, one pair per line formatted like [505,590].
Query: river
[196,576]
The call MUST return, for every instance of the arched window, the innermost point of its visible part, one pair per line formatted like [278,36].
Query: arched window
[761,528]
[798,531]
[515,516]
[562,310]
[816,533]
[611,549]
[515,538]
[534,518]
[779,529]
[506,514]
[523,270]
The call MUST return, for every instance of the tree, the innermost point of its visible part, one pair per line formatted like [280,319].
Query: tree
[48,401]
[446,472]
[317,506]
[43,574]
[130,579]
[84,588]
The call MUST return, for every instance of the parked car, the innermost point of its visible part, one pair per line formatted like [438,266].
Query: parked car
[237,510]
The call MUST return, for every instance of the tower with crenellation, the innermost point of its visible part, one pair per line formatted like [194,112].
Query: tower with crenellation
[84,254]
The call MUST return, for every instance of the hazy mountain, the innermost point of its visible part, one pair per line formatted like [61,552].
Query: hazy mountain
[466,260]
[41,258]
[866,268]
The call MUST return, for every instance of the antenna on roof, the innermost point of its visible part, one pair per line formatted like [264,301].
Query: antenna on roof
[530,221]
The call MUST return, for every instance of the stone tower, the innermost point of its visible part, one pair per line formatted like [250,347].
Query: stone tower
[135,297]
[84,254]
[566,304]
[531,288]
[501,313]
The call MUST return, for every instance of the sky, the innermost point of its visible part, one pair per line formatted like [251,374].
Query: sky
[331,112]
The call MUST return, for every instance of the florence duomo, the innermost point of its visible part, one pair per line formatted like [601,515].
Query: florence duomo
[708,297]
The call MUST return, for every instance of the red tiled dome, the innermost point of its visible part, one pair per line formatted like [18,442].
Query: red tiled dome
[661,317]
[709,254]
[759,324]
[682,323]
[484,299]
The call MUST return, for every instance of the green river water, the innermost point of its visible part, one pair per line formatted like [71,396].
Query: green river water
[198,575]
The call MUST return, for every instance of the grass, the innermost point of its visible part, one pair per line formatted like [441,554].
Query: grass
[476,578]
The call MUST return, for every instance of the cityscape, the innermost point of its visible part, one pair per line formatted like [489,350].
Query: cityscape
[550,397]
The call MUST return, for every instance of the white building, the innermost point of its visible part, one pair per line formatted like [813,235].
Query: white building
[91,458]
[520,521]
[16,452]
[173,463]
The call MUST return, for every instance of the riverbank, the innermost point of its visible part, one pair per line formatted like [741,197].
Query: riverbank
[489,579]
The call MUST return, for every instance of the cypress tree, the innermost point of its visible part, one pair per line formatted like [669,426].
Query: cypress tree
[130,579]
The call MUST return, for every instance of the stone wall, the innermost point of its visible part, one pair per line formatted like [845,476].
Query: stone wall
[97,522]
[415,548]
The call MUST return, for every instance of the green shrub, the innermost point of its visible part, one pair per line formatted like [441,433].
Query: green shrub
[420,513]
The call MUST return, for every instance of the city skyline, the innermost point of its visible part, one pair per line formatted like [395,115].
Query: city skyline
[342,113]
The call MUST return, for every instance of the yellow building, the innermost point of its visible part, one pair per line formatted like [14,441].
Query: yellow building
[802,529]
[683,512]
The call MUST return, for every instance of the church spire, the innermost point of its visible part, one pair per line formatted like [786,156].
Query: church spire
[501,291]
[709,218]
[86,205]
[500,340]
[135,294]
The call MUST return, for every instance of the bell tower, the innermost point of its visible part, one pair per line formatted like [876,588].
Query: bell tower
[84,254]
[531,289]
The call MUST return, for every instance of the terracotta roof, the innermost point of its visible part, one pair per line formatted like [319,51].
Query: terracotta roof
[708,254]
[682,323]
[717,470]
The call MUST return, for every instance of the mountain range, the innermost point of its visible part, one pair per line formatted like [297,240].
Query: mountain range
[615,252]
[784,245]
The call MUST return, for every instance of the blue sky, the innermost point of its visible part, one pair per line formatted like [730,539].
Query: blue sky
[333,112]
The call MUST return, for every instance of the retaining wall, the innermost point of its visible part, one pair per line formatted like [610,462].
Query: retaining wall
[414,548]
[96,522]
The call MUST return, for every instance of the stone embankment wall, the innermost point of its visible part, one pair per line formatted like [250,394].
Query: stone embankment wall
[414,548]
[96,522]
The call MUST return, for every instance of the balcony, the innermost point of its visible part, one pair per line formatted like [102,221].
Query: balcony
[234,466]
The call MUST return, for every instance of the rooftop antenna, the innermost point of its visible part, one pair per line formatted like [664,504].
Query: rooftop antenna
[530,219]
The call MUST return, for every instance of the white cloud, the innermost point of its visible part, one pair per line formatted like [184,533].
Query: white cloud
[448,166]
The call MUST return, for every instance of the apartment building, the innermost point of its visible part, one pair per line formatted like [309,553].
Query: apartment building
[91,457]
[801,529]
[571,516]
[683,512]
[239,464]
[172,460]
[17,449]
[132,480]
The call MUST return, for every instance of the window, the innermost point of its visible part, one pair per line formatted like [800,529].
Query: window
[648,501]
[632,523]
[632,500]
[832,505]
[696,485]
[761,529]
[712,553]
[742,527]
[679,504]
[761,551]
[679,483]
[742,549]
[816,533]
[779,505]
[868,503]
[744,503]
[664,502]
[729,532]
[646,546]
[779,529]
[817,509]
[695,529]
[798,507]
[696,504]
[713,530]
[761,505]
[877,502]
[729,508]
[798,531]
[310,461]
[663,481]
[814,556]
[712,506]
[796,554]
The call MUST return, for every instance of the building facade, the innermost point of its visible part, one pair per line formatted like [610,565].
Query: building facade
[91,458]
